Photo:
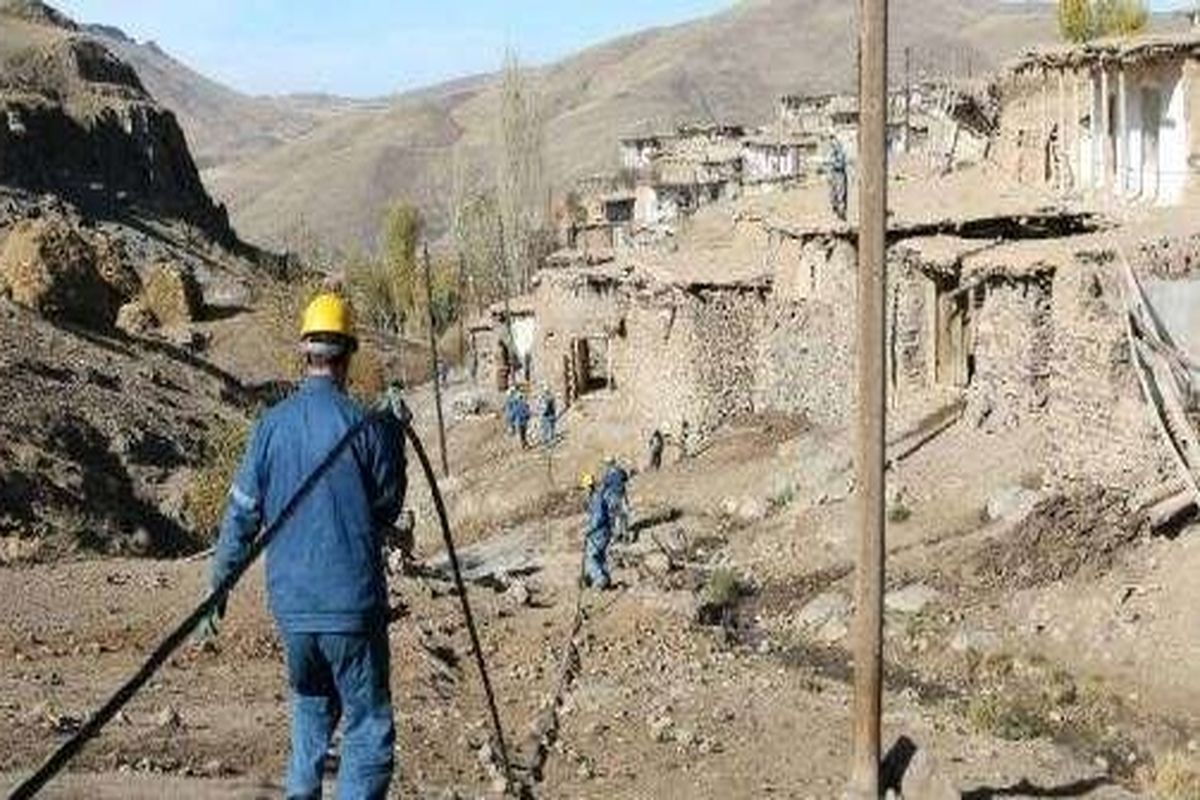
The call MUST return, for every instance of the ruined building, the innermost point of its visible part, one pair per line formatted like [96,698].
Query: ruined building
[1007,308]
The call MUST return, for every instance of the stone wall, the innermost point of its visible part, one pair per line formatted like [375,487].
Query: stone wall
[1047,349]
[1012,350]
[1098,428]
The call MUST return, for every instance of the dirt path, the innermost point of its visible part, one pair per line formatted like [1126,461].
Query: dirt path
[661,705]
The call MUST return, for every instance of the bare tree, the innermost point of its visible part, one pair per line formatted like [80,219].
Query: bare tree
[520,178]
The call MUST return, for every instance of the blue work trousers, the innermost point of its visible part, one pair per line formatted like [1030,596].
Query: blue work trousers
[547,431]
[595,559]
[332,677]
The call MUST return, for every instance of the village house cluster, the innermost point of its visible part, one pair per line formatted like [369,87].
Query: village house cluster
[665,177]
[1011,299]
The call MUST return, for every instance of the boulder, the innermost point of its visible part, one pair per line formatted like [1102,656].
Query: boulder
[912,599]
[134,319]
[172,295]
[826,617]
[49,267]
[1011,503]
[112,262]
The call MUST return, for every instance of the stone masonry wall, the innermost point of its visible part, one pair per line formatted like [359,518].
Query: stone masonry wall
[1099,429]
[1013,340]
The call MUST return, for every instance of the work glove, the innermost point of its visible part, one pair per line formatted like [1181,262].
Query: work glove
[208,627]
[392,402]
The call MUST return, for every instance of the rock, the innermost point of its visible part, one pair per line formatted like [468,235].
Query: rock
[168,719]
[657,562]
[912,599]
[134,319]
[924,780]
[978,641]
[517,595]
[49,267]
[185,338]
[112,262]
[685,737]
[141,541]
[662,728]
[172,295]
[584,770]
[1011,503]
[752,509]
[824,608]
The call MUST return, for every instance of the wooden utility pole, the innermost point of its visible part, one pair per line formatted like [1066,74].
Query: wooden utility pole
[433,359]
[872,394]
[462,310]
[907,99]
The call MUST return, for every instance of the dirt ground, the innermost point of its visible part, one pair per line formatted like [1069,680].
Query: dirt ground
[1063,684]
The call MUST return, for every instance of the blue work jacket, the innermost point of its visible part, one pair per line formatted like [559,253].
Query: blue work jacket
[325,571]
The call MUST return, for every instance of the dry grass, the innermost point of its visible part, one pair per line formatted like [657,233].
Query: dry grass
[1175,776]
[204,503]
[284,304]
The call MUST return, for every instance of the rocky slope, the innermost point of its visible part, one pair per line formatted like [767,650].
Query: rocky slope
[76,122]
[112,259]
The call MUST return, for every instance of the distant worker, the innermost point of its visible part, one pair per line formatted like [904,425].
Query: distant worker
[325,569]
[656,449]
[614,486]
[510,411]
[837,179]
[685,437]
[548,415]
[597,536]
[521,415]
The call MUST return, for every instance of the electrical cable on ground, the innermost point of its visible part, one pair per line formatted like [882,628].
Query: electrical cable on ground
[452,556]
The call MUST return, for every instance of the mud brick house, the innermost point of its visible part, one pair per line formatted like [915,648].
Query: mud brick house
[1116,118]
[1011,313]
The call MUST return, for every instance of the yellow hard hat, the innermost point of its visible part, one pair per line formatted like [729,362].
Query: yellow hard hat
[328,314]
[586,480]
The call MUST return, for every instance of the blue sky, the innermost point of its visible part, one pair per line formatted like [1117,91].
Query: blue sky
[371,47]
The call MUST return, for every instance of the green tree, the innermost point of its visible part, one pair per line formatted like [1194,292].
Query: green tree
[402,230]
[1075,20]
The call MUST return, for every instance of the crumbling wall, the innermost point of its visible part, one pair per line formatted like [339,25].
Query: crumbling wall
[910,352]
[805,352]
[1042,136]
[1012,349]
[569,307]
[1099,430]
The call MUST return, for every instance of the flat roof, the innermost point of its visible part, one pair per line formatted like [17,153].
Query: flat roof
[1120,49]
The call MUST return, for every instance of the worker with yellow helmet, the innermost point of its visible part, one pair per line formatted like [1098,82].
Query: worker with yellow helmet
[325,571]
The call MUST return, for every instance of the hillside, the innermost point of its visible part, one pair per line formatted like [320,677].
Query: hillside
[113,258]
[221,124]
[80,125]
[730,66]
